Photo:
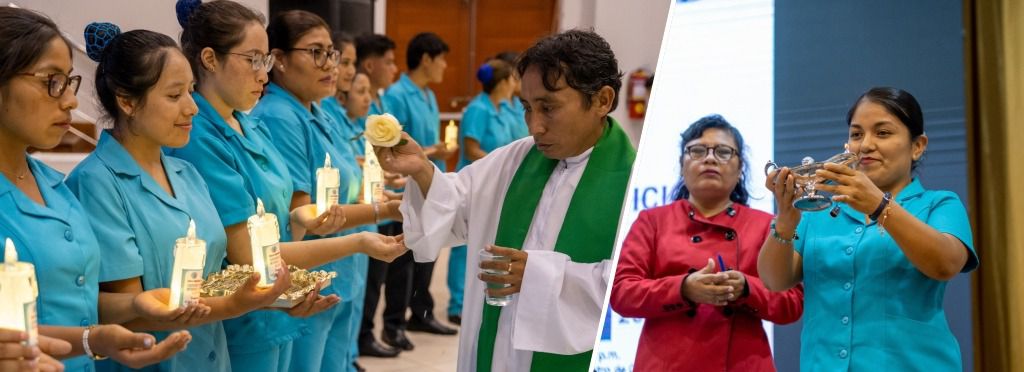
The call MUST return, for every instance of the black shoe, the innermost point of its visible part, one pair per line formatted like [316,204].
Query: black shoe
[358,367]
[376,349]
[455,319]
[430,325]
[397,340]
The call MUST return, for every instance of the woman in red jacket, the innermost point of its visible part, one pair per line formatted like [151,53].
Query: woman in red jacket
[697,314]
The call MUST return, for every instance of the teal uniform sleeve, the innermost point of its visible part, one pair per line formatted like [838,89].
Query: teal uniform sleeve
[949,216]
[104,203]
[291,142]
[213,160]
[474,124]
[394,106]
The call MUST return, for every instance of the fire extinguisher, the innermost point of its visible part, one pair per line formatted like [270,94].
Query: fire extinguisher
[637,94]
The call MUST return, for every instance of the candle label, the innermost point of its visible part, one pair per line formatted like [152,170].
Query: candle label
[190,286]
[332,196]
[271,261]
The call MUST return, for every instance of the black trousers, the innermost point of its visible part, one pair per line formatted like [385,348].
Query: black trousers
[406,285]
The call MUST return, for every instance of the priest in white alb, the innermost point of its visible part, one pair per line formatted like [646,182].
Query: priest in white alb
[550,202]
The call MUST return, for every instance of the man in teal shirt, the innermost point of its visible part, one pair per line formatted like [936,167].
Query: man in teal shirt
[412,102]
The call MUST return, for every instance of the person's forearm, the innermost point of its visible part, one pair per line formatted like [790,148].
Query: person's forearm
[220,308]
[73,335]
[116,308]
[424,177]
[364,214]
[776,265]
[938,256]
[308,254]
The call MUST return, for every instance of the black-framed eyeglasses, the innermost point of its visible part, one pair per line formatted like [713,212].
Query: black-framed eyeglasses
[259,61]
[321,56]
[722,152]
[57,83]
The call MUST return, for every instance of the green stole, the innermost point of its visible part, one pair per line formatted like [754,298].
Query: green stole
[587,234]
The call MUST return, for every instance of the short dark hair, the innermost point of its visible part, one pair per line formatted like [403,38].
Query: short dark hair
[739,194]
[372,46]
[286,28]
[24,38]
[341,39]
[493,72]
[129,66]
[583,57]
[897,102]
[424,43]
[218,25]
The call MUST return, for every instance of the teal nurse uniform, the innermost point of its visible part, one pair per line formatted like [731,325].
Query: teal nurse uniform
[865,304]
[137,222]
[57,239]
[416,109]
[238,168]
[303,137]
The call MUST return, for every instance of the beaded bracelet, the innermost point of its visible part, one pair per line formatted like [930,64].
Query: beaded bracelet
[780,239]
[85,344]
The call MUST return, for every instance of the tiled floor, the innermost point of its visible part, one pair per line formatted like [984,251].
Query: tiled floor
[433,353]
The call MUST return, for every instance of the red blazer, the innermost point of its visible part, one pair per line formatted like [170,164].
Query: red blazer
[663,246]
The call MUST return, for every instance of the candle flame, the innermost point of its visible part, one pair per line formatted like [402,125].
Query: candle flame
[259,207]
[191,235]
[10,254]
[327,161]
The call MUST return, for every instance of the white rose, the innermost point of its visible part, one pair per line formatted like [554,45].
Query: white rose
[383,130]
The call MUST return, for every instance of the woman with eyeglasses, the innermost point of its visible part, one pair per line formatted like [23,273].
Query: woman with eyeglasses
[304,73]
[689,269]
[876,271]
[47,224]
[229,54]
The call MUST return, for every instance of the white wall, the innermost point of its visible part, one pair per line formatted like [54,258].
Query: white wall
[633,28]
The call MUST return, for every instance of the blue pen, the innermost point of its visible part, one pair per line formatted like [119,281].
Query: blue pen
[721,264]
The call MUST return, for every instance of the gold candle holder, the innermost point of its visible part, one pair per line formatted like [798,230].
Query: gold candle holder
[233,277]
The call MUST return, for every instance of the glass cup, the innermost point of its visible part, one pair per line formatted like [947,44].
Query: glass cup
[505,261]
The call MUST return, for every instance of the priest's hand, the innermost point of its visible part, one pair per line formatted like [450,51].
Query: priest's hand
[515,269]
[407,158]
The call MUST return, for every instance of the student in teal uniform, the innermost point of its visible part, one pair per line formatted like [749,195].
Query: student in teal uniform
[375,57]
[487,124]
[140,201]
[229,53]
[350,138]
[520,130]
[303,75]
[46,224]
[413,103]
[875,274]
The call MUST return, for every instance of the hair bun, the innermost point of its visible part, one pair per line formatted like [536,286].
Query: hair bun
[184,9]
[97,36]
[485,74]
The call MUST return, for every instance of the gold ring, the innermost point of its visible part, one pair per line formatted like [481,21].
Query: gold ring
[509,267]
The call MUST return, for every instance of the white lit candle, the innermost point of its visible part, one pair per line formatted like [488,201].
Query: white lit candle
[18,293]
[187,273]
[328,181]
[451,135]
[265,238]
[373,177]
